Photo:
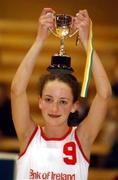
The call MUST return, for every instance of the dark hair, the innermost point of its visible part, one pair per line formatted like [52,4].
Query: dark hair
[72,82]
[3,86]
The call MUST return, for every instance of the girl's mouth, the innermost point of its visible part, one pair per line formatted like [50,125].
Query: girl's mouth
[54,115]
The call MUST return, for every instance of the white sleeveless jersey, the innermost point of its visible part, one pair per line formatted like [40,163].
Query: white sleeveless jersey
[53,158]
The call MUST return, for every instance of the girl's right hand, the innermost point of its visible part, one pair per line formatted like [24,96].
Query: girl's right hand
[46,21]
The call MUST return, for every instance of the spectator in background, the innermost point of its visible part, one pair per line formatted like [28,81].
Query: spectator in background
[6,123]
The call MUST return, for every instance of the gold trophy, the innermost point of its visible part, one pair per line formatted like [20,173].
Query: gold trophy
[61,61]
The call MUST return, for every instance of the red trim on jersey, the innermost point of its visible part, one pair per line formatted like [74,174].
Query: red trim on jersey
[80,147]
[55,139]
[33,134]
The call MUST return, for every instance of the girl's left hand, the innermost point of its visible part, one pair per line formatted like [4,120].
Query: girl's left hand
[82,22]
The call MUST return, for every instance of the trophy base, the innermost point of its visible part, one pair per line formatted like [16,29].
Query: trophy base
[60,64]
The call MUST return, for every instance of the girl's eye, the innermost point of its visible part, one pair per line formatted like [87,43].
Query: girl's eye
[48,100]
[63,102]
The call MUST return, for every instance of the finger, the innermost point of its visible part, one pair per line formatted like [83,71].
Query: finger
[73,20]
[47,23]
[78,20]
[43,22]
[83,13]
[81,18]
[45,19]
[47,10]
[50,15]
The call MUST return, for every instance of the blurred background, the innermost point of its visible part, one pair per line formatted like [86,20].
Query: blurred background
[18,28]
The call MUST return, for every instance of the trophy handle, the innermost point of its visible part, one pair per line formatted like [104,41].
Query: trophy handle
[54,33]
[73,33]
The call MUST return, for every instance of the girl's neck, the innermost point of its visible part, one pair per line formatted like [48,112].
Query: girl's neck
[55,132]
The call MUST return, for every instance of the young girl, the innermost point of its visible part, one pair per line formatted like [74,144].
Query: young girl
[57,151]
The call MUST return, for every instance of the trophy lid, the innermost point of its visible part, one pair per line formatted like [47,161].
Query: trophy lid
[60,64]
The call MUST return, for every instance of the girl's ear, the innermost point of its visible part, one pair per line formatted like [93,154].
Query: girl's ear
[75,106]
[40,102]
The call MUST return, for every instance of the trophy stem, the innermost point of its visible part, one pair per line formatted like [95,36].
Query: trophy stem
[62,51]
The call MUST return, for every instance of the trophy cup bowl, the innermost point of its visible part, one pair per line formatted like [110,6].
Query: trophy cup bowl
[63,23]
[60,61]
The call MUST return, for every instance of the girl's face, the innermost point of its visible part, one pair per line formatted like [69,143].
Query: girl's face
[56,103]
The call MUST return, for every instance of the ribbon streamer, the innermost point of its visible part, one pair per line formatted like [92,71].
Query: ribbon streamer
[88,65]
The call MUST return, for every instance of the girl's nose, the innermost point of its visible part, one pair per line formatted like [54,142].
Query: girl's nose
[55,107]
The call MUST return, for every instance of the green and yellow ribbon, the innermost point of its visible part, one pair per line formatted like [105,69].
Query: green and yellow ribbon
[88,65]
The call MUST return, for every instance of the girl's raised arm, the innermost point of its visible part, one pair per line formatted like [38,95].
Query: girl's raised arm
[90,127]
[20,107]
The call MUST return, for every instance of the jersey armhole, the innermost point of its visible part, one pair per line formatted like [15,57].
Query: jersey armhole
[30,139]
[80,147]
